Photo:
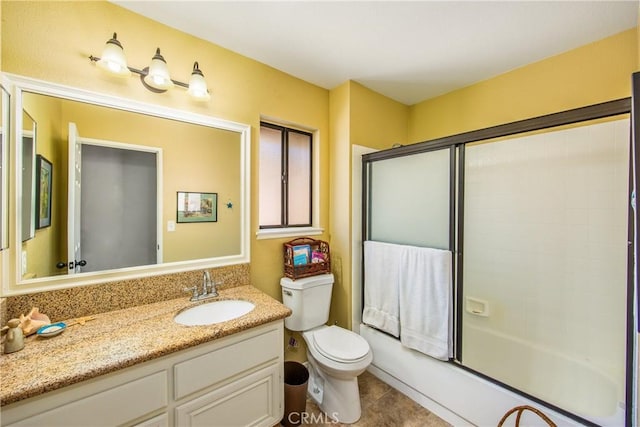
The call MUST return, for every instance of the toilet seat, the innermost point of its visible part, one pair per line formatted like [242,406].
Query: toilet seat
[340,345]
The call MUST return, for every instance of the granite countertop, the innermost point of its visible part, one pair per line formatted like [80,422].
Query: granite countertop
[119,339]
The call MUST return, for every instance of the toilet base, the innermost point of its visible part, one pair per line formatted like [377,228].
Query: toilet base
[338,398]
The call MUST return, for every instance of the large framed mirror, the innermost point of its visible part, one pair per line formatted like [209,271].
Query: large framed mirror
[107,176]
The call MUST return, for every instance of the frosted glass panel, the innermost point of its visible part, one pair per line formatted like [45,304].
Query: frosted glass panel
[410,200]
[545,264]
[299,158]
[270,176]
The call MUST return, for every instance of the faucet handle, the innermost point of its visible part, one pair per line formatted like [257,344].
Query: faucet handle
[194,292]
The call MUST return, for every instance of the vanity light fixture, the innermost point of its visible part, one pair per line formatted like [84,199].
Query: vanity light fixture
[113,59]
[158,73]
[155,77]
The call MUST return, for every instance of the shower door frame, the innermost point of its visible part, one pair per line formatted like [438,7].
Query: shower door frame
[456,143]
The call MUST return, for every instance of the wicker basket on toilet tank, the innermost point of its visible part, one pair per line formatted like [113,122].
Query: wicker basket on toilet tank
[304,257]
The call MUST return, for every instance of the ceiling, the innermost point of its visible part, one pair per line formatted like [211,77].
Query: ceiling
[409,51]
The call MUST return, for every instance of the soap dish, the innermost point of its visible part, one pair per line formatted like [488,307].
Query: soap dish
[52,329]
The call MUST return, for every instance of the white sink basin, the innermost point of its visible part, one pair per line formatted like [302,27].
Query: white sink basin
[213,312]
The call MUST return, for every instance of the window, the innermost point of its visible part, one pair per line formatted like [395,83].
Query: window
[286,158]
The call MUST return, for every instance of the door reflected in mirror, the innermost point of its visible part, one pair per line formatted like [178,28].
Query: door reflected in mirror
[4,169]
[117,174]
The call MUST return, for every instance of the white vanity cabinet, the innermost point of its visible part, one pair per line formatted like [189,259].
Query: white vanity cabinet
[235,380]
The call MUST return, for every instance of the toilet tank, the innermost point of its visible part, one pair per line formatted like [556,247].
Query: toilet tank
[309,299]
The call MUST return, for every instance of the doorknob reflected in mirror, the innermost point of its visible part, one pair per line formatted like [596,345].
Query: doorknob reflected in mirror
[72,264]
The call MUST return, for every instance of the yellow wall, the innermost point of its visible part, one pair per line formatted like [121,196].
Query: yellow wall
[53,40]
[340,107]
[362,117]
[376,121]
[590,74]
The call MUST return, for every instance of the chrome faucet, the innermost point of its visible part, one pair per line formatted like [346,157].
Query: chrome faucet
[206,283]
[208,289]
[210,285]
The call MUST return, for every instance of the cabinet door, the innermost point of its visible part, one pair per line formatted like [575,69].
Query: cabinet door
[250,401]
[110,407]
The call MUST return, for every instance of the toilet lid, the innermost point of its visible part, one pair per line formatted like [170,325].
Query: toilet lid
[340,344]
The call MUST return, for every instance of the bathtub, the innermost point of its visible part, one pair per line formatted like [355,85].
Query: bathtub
[577,386]
[460,397]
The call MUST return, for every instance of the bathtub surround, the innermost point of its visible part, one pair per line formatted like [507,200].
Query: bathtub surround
[93,299]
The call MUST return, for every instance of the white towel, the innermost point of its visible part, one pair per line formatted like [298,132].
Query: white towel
[382,280]
[425,302]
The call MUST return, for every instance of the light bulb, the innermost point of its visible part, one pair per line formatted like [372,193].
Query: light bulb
[198,85]
[113,59]
[158,74]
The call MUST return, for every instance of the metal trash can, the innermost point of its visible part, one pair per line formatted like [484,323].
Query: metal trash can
[296,378]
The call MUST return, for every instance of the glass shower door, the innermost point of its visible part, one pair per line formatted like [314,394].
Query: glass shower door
[410,203]
[545,266]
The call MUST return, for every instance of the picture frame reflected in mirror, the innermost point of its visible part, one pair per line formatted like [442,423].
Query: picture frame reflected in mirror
[196,207]
[44,183]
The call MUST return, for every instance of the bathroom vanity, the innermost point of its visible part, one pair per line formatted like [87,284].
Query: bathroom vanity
[139,367]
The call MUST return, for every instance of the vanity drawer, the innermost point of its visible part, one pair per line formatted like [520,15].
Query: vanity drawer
[109,407]
[240,357]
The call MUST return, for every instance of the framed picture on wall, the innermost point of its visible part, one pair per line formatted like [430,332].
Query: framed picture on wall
[197,207]
[44,172]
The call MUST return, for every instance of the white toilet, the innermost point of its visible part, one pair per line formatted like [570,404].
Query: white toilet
[336,356]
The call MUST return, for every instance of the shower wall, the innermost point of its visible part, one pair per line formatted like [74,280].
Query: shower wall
[545,263]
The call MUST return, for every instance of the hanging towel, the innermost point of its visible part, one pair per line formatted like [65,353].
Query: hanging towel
[382,280]
[425,302]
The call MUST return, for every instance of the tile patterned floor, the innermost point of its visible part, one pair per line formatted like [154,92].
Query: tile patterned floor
[382,406]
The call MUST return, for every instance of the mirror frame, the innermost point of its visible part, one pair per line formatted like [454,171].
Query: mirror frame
[28,230]
[12,282]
